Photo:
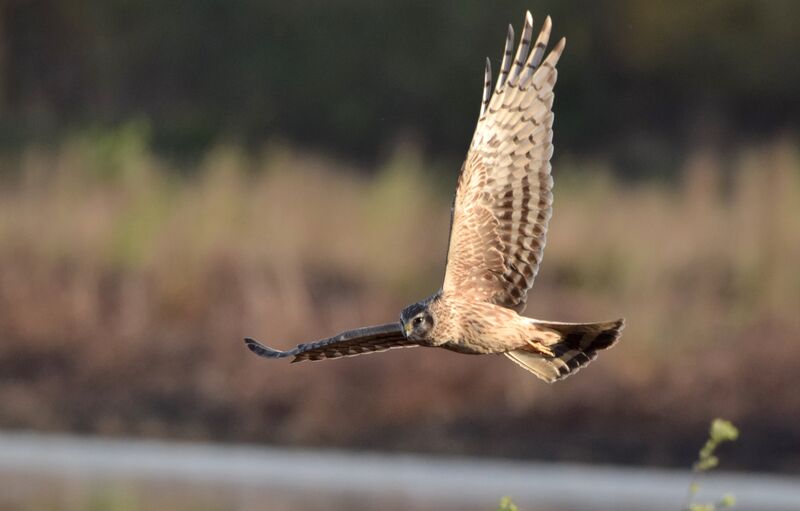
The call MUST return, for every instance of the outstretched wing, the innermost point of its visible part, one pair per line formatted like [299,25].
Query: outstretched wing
[503,202]
[370,339]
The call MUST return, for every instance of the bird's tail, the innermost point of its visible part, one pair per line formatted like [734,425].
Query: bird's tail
[573,345]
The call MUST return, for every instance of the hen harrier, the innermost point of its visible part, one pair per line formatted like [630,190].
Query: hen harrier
[497,234]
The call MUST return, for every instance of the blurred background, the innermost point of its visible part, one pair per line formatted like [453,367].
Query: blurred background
[177,175]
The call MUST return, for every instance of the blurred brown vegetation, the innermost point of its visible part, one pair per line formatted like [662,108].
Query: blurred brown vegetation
[126,287]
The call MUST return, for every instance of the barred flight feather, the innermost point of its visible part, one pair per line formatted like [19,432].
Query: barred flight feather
[504,196]
[353,342]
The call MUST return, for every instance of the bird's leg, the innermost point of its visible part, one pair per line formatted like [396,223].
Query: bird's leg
[541,348]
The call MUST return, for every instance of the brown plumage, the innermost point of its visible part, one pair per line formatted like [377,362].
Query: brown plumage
[499,224]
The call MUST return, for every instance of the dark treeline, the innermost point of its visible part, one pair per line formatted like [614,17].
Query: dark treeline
[641,80]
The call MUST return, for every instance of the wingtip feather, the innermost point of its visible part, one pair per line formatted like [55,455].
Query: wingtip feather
[263,351]
[555,53]
[487,87]
[538,51]
[505,63]
[522,49]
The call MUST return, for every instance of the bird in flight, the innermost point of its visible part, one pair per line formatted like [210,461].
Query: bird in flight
[498,227]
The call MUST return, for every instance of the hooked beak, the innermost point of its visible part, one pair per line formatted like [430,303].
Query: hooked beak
[407,329]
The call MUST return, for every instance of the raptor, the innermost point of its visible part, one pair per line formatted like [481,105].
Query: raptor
[498,228]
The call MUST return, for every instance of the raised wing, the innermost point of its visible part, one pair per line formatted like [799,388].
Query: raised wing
[504,196]
[370,339]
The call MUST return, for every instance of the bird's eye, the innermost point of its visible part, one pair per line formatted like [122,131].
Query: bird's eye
[417,321]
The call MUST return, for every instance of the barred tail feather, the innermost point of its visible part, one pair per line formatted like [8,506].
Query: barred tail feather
[574,346]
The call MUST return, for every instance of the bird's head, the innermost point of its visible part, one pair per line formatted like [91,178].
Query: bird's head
[417,321]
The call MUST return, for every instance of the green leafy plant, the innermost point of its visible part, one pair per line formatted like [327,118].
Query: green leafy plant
[719,432]
[507,505]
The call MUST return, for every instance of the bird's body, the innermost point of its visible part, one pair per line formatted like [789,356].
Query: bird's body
[499,224]
[475,328]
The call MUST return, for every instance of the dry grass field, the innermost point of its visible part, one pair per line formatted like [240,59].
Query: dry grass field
[127,283]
